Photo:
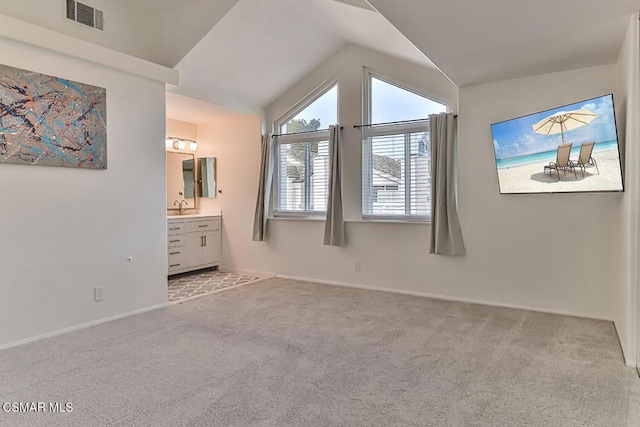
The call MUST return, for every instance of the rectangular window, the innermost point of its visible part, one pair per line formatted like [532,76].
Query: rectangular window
[396,179]
[302,177]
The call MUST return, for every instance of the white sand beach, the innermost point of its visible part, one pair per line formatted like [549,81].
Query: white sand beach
[531,178]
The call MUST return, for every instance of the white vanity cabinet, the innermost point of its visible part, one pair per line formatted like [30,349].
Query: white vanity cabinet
[193,242]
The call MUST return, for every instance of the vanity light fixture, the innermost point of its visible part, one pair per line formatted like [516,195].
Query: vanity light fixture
[181,144]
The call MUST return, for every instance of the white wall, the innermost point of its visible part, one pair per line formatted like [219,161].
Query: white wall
[66,231]
[125,29]
[558,251]
[182,129]
[234,140]
[554,253]
[626,290]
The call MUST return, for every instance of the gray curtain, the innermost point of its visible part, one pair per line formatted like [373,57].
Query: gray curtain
[264,191]
[446,235]
[334,223]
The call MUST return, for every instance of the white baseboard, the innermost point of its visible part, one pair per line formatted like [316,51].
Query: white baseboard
[628,354]
[445,297]
[630,362]
[260,274]
[82,326]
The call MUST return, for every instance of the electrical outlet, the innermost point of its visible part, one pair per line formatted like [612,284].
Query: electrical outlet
[98,293]
[356,267]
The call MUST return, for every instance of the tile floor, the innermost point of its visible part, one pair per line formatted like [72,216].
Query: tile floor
[186,285]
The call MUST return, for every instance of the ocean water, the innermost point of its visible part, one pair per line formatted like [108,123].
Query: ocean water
[550,156]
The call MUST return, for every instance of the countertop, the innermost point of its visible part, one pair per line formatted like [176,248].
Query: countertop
[198,215]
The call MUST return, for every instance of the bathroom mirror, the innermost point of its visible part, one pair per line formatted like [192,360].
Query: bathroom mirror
[181,180]
[207,179]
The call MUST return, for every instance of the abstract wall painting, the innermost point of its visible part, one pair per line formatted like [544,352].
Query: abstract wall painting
[50,121]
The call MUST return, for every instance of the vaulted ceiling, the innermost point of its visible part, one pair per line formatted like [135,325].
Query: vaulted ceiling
[260,48]
[245,53]
[481,41]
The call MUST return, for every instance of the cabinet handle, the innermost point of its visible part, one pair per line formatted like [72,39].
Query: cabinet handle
[174,265]
[201,241]
[204,225]
[174,241]
[174,253]
[205,240]
[172,229]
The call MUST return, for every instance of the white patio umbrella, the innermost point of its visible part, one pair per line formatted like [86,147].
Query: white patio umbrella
[563,121]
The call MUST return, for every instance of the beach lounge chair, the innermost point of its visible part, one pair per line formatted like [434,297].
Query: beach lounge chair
[562,162]
[584,159]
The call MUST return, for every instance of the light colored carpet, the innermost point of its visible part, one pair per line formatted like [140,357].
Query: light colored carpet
[285,353]
[187,285]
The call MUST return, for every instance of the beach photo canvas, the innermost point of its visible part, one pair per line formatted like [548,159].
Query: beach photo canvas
[573,148]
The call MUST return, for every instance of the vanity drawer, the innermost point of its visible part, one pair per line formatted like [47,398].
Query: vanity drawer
[175,228]
[176,241]
[204,225]
[176,259]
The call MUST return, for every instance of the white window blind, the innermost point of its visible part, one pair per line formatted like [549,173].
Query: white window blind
[302,177]
[396,178]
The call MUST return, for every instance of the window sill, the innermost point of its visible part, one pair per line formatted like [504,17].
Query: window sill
[390,221]
[354,221]
[294,217]
[321,216]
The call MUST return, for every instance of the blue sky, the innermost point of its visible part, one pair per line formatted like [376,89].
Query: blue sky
[324,108]
[516,137]
[390,104]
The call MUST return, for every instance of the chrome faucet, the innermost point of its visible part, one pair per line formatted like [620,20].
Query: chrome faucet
[179,204]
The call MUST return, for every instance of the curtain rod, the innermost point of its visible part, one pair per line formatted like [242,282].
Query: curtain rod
[300,133]
[394,123]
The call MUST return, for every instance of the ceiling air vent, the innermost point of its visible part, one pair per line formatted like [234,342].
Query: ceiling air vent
[71,10]
[85,14]
[99,20]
